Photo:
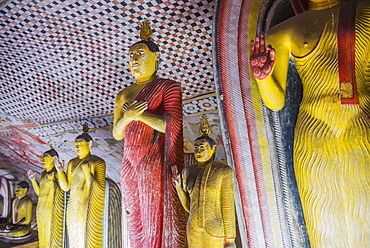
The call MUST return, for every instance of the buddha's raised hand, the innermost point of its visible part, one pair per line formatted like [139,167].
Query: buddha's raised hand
[262,58]
[31,174]
[59,164]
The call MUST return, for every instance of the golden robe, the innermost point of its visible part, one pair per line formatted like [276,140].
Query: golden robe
[212,213]
[50,211]
[85,206]
[332,143]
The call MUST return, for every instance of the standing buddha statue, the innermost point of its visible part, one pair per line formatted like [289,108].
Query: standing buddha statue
[85,180]
[148,116]
[329,45]
[50,205]
[206,191]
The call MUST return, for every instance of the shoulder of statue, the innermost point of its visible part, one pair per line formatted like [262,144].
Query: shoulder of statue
[26,199]
[186,170]
[94,158]
[221,166]
[168,82]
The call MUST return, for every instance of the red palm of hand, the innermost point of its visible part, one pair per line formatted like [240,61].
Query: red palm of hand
[262,58]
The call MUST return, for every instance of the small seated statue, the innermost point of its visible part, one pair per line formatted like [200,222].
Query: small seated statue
[206,191]
[20,223]
[50,205]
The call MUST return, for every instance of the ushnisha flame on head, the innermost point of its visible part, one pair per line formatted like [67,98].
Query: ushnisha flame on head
[85,135]
[146,37]
[205,131]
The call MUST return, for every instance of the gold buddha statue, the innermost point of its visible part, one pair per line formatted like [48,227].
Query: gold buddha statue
[148,115]
[85,180]
[50,205]
[206,191]
[20,223]
[329,45]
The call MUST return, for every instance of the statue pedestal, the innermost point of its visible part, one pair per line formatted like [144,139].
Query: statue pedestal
[28,240]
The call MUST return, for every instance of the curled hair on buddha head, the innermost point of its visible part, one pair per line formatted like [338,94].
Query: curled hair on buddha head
[146,37]
[23,185]
[85,135]
[205,131]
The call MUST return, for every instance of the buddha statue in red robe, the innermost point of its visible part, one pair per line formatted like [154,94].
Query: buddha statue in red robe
[148,116]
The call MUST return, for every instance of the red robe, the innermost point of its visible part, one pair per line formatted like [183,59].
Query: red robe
[154,213]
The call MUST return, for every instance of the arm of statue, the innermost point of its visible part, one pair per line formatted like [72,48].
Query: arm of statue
[124,114]
[32,176]
[270,68]
[228,207]
[28,210]
[184,196]
[64,180]
[95,173]
[88,176]
[155,121]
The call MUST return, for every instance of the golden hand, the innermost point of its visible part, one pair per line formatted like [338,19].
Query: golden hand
[86,168]
[262,59]
[133,109]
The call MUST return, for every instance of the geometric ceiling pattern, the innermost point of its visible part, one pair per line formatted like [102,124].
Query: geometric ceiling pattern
[67,59]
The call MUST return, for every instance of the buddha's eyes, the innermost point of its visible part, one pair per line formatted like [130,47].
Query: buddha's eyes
[140,53]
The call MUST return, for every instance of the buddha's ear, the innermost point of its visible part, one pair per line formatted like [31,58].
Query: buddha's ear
[158,54]
[214,148]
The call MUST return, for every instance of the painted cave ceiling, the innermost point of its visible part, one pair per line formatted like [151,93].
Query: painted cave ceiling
[63,61]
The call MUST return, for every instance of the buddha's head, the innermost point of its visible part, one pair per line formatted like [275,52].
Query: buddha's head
[204,149]
[144,55]
[48,159]
[83,142]
[21,189]
[143,61]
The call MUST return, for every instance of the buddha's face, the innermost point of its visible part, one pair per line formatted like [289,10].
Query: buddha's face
[48,161]
[203,152]
[20,192]
[142,61]
[82,148]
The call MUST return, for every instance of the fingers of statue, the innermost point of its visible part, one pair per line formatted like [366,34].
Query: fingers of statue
[85,167]
[175,175]
[31,174]
[125,106]
[262,58]
[136,109]
[59,165]
[142,105]
[262,43]
[175,171]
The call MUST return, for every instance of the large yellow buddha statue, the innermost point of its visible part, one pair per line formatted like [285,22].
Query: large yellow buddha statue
[20,223]
[330,46]
[50,204]
[85,180]
[206,191]
[148,116]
